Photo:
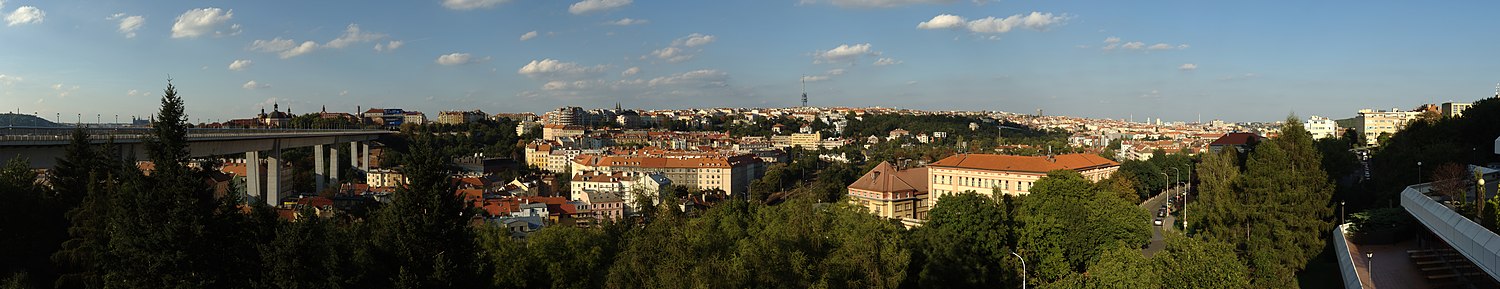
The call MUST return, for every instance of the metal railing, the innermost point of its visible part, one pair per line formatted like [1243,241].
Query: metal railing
[1346,260]
[15,133]
[1478,244]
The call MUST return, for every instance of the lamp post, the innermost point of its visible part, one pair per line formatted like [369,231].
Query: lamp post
[1341,212]
[1023,268]
[1419,172]
[1369,264]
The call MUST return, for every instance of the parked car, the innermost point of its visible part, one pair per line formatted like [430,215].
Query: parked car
[1157,222]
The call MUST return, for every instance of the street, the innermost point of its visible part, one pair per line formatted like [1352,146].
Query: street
[1158,241]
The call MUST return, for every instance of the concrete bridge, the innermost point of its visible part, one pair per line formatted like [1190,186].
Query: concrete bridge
[42,147]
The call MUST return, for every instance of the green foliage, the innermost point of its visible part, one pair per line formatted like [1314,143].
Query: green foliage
[966,242]
[1468,139]
[1381,219]
[1066,222]
[424,237]
[1118,266]
[1193,263]
[1276,209]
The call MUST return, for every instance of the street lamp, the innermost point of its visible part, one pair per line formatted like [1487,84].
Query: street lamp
[1023,268]
[1369,262]
[1341,212]
[1419,172]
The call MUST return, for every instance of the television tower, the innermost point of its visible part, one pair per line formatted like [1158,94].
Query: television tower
[804,91]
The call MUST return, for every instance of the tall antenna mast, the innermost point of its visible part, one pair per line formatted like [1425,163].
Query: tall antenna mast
[804,90]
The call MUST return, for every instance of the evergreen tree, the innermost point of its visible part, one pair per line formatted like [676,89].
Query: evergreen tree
[81,258]
[424,233]
[74,171]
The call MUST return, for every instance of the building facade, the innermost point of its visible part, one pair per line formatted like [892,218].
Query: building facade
[892,193]
[1011,175]
[732,174]
[1321,127]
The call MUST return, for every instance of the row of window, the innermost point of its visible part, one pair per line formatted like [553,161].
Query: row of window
[980,182]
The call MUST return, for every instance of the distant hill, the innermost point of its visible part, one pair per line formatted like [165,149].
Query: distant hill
[11,119]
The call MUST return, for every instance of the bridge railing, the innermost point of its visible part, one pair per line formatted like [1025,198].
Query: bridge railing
[14,133]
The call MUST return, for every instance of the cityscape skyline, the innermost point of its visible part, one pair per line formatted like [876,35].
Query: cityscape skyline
[1177,60]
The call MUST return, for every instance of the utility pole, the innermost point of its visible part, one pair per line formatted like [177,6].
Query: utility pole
[1023,268]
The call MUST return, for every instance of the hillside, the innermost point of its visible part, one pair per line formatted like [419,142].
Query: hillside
[12,119]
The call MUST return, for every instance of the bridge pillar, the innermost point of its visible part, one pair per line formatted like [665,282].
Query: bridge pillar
[318,167]
[365,153]
[273,177]
[252,174]
[333,166]
[354,154]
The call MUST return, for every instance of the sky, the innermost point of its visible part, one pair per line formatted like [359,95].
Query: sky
[1177,60]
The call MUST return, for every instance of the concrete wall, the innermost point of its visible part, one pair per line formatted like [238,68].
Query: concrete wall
[1476,243]
[1346,261]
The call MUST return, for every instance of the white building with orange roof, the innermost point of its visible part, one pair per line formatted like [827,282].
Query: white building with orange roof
[892,193]
[1007,174]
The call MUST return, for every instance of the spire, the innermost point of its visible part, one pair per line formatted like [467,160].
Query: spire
[275,106]
[325,108]
[804,91]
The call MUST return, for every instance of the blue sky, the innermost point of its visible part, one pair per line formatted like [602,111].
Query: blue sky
[1252,61]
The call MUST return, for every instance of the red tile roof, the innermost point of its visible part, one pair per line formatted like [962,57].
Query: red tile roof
[1036,164]
[1238,138]
[885,178]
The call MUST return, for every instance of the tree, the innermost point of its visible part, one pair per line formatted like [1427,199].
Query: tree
[1122,185]
[966,242]
[425,239]
[1066,221]
[1193,263]
[1118,266]
[1284,207]
[1221,204]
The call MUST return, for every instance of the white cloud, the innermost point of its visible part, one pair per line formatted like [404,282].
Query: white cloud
[1188,66]
[1113,43]
[590,6]
[252,85]
[128,24]
[844,52]
[471,4]
[628,22]
[8,80]
[552,67]
[694,40]
[353,35]
[883,61]
[25,15]
[285,48]
[459,59]
[528,35]
[630,71]
[673,54]
[704,77]
[201,21]
[825,76]
[63,91]
[133,92]
[942,21]
[240,64]
[1035,21]
[877,3]
[682,49]
[388,46]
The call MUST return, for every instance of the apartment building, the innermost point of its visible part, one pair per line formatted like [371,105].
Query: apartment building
[1007,174]
[1372,123]
[700,171]
[892,193]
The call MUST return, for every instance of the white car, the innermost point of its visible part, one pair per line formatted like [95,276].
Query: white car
[1157,222]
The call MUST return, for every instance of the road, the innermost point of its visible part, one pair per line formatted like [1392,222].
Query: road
[1158,241]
